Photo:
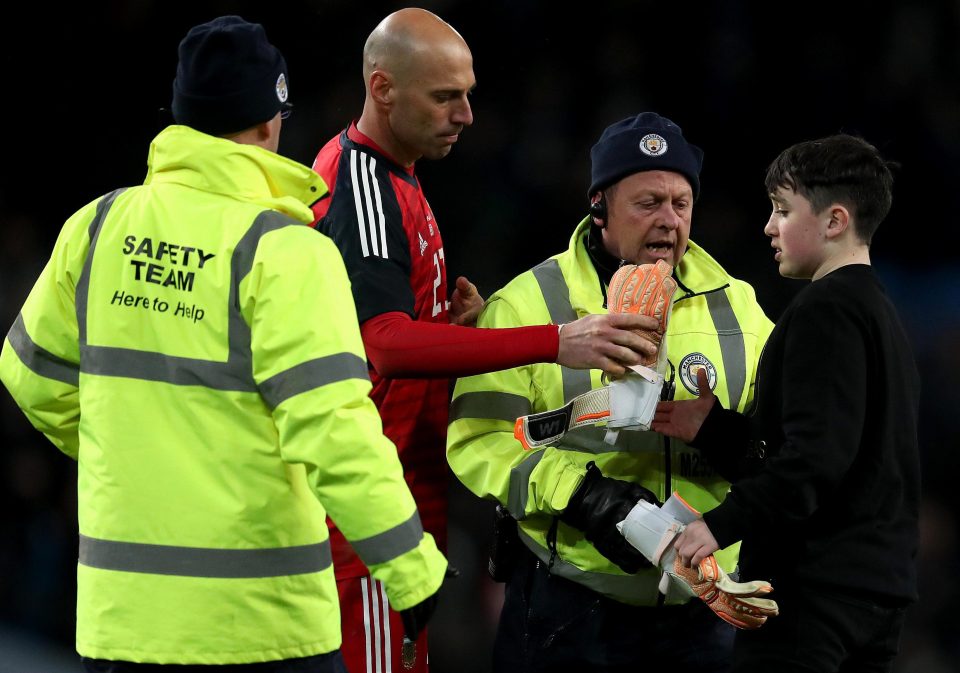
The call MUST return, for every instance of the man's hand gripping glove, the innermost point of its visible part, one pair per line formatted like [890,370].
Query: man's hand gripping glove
[597,506]
[628,403]
[646,289]
[653,530]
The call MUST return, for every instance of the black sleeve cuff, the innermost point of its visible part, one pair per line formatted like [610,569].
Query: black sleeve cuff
[721,428]
[723,440]
[725,523]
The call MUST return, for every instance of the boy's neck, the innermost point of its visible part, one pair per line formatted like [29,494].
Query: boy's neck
[845,256]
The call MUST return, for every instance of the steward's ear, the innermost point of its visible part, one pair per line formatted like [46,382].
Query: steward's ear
[264,130]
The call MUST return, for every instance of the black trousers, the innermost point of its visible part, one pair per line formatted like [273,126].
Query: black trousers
[331,662]
[822,632]
[552,624]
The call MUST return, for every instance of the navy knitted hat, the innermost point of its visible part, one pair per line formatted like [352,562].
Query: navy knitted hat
[646,142]
[229,77]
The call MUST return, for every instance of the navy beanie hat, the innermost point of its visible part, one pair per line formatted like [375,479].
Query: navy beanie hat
[229,77]
[646,142]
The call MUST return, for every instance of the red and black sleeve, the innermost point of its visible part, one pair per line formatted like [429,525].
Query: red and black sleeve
[365,221]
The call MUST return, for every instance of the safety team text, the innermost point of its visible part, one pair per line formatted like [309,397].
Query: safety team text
[165,264]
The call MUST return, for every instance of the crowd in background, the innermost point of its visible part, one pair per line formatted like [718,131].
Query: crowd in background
[82,89]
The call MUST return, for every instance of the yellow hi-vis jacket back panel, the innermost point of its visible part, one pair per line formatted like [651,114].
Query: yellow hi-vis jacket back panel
[195,347]
[716,323]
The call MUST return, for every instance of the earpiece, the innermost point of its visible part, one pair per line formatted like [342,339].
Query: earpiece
[598,209]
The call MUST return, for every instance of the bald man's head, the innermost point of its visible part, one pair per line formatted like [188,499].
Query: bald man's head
[404,39]
[418,72]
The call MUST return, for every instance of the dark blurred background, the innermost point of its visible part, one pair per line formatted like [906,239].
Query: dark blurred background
[82,84]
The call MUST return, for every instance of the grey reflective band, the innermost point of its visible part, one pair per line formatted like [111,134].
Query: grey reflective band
[390,544]
[310,375]
[238,331]
[640,589]
[590,440]
[490,405]
[39,360]
[202,561]
[731,345]
[149,366]
[556,295]
[519,490]
[83,284]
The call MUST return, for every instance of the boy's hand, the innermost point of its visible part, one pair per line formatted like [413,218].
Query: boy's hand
[695,543]
[683,419]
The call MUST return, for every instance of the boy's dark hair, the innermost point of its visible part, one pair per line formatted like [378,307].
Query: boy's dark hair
[837,169]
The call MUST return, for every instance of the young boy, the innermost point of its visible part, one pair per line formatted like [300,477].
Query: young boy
[826,467]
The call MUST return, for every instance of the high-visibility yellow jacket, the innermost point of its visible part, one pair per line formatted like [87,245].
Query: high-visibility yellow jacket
[716,323]
[196,349]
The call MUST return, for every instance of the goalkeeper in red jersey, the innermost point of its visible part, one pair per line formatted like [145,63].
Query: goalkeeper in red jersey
[418,73]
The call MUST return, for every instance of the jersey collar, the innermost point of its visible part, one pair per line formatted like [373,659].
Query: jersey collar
[354,134]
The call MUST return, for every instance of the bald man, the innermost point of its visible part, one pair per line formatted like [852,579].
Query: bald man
[418,73]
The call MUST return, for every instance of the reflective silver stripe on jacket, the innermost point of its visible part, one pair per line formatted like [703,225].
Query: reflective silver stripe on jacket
[313,374]
[591,440]
[731,345]
[490,405]
[556,295]
[82,291]
[204,562]
[390,544]
[519,489]
[38,359]
[639,589]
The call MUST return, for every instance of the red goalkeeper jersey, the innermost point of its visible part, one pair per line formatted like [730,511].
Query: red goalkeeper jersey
[381,222]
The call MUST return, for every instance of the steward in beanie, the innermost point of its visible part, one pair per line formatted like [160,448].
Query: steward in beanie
[229,77]
[646,142]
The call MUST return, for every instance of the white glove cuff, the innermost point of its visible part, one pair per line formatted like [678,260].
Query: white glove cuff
[677,507]
[633,399]
[651,532]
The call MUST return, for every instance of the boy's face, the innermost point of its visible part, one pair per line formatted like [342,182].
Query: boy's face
[797,234]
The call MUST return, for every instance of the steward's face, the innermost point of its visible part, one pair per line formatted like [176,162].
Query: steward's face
[648,217]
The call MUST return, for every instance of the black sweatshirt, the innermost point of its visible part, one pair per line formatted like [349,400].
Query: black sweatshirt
[826,467]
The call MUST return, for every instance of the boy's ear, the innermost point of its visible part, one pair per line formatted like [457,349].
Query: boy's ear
[839,220]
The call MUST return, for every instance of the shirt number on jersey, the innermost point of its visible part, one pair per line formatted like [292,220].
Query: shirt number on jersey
[438,261]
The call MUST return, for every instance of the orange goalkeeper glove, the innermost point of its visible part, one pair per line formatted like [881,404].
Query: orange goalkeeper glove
[646,289]
[736,603]
[652,530]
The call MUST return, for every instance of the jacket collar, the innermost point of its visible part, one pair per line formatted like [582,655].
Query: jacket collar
[181,155]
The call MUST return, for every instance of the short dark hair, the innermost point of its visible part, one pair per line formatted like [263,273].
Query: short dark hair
[841,169]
